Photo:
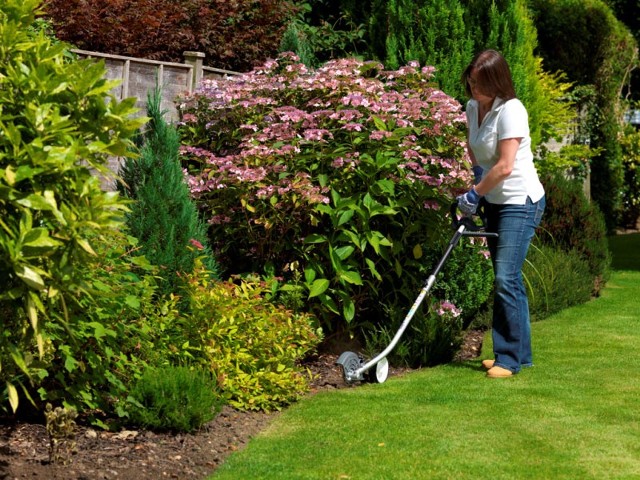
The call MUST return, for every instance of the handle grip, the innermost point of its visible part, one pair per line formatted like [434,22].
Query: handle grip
[472,229]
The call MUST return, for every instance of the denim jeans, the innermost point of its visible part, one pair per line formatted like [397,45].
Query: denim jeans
[515,225]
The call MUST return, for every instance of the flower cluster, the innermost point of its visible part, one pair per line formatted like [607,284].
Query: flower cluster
[344,155]
[448,309]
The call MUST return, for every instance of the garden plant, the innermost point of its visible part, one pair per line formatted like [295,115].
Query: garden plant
[336,182]
[58,126]
[84,315]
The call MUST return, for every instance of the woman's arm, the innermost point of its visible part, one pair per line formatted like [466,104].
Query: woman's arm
[507,150]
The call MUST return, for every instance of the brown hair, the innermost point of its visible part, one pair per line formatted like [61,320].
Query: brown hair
[492,75]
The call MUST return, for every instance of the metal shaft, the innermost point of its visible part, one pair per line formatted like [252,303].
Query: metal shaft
[425,289]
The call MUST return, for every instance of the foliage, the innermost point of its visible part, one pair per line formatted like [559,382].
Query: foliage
[466,277]
[95,352]
[60,424]
[630,143]
[335,177]
[178,399]
[627,12]
[558,113]
[573,160]
[595,34]
[250,345]
[436,330]
[163,216]
[58,124]
[572,223]
[447,33]
[318,39]
[555,280]
[434,33]
[234,35]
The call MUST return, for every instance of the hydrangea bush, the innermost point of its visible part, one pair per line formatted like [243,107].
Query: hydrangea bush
[333,180]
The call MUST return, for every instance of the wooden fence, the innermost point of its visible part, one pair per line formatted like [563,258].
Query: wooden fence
[138,76]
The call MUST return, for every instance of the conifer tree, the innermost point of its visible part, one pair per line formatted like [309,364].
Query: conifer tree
[163,216]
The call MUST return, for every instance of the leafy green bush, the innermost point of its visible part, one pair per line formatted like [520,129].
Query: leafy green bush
[162,215]
[572,160]
[251,345]
[179,399]
[59,125]
[93,355]
[317,36]
[334,180]
[570,31]
[555,280]
[466,279]
[571,222]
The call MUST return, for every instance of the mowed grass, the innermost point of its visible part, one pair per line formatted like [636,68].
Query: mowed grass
[574,415]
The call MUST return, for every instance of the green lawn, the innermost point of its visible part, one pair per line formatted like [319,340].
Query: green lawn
[574,415]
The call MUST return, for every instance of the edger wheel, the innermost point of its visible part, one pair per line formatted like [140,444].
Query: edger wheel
[379,373]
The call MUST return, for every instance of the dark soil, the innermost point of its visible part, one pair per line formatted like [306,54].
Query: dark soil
[142,455]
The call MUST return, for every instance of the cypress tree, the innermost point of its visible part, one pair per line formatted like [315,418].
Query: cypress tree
[163,217]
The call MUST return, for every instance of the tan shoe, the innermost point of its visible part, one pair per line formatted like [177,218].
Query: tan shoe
[488,363]
[499,372]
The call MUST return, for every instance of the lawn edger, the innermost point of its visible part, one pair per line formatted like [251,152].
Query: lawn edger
[376,370]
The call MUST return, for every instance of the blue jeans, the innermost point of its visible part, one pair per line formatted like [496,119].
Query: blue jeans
[515,225]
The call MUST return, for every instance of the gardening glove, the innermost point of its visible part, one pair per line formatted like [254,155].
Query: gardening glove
[468,203]
[477,174]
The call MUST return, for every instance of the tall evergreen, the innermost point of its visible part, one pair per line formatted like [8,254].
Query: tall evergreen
[163,217]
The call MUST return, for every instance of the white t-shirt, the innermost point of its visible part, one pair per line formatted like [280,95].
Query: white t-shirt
[505,120]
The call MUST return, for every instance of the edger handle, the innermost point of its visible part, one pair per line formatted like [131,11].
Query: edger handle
[472,229]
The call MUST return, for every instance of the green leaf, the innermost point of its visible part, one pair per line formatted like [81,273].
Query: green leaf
[84,244]
[318,287]
[351,276]
[380,125]
[39,238]
[417,251]
[359,242]
[29,276]
[70,363]
[13,396]
[315,238]
[37,202]
[329,302]
[344,252]
[19,360]
[373,269]
[348,309]
[309,274]
[132,301]
[345,217]
[386,186]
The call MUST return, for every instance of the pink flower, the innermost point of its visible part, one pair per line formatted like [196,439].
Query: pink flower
[196,244]
[448,308]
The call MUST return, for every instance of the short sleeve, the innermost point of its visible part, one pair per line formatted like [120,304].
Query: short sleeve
[513,121]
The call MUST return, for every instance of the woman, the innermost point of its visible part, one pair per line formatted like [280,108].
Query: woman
[508,184]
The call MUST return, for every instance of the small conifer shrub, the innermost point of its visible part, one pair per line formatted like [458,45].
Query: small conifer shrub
[162,216]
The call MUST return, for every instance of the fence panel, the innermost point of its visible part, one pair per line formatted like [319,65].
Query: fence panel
[138,77]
